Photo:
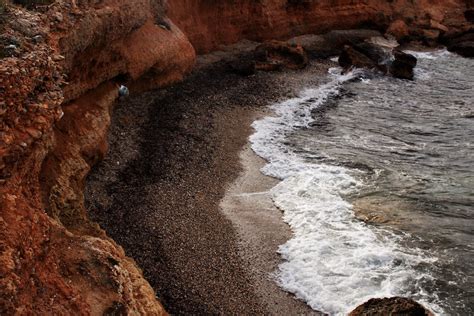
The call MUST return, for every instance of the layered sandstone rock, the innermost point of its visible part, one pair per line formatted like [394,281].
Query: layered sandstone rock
[58,85]
[399,29]
[209,24]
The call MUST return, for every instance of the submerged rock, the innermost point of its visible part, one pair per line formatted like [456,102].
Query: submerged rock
[391,306]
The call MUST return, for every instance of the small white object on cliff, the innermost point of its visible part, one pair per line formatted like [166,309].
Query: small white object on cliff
[123,91]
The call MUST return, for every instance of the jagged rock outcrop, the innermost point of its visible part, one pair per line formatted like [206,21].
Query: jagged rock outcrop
[364,55]
[390,306]
[371,56]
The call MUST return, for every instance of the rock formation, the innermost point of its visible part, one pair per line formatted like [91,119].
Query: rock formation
[332,43]
[60,68]
[462,43]
[371,56]
[210,24]
[403,65]
[275,55]
[390,306]
[58,84]
[364,55]
[270,56]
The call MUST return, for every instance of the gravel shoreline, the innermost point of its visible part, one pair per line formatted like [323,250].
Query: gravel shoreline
[173,153]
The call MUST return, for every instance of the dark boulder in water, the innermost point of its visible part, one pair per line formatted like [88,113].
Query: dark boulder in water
[371,56]
[375,52]
[403,65]
[462,44]
[364,55]
[391,306]
[465,49]
[352,57]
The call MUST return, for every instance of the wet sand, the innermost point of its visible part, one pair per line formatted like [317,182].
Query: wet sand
[161,191]
[260,232]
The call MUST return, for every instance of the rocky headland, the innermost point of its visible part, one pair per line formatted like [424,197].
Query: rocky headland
[60,68]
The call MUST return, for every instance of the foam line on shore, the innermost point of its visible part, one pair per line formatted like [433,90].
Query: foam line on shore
[334,262]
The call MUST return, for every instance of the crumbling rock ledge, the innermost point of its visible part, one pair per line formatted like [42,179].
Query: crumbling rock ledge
[58,86]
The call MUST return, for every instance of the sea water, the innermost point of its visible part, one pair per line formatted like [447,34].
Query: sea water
[404,150]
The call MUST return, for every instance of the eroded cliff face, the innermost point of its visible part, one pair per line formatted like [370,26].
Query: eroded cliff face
[58,82]
[58,85]
[210,24]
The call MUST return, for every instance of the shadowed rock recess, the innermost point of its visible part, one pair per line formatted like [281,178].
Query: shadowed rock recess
[61,63]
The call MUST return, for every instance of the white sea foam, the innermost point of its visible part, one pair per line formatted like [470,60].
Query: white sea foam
[334,262]
[423,74]
[429,55]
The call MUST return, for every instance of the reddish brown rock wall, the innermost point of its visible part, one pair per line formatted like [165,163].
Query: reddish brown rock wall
[53,260]
[209,23]
[56,94]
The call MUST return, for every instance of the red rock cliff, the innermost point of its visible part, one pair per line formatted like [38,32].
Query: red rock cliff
[58,82]
[210,23]
[57,86]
